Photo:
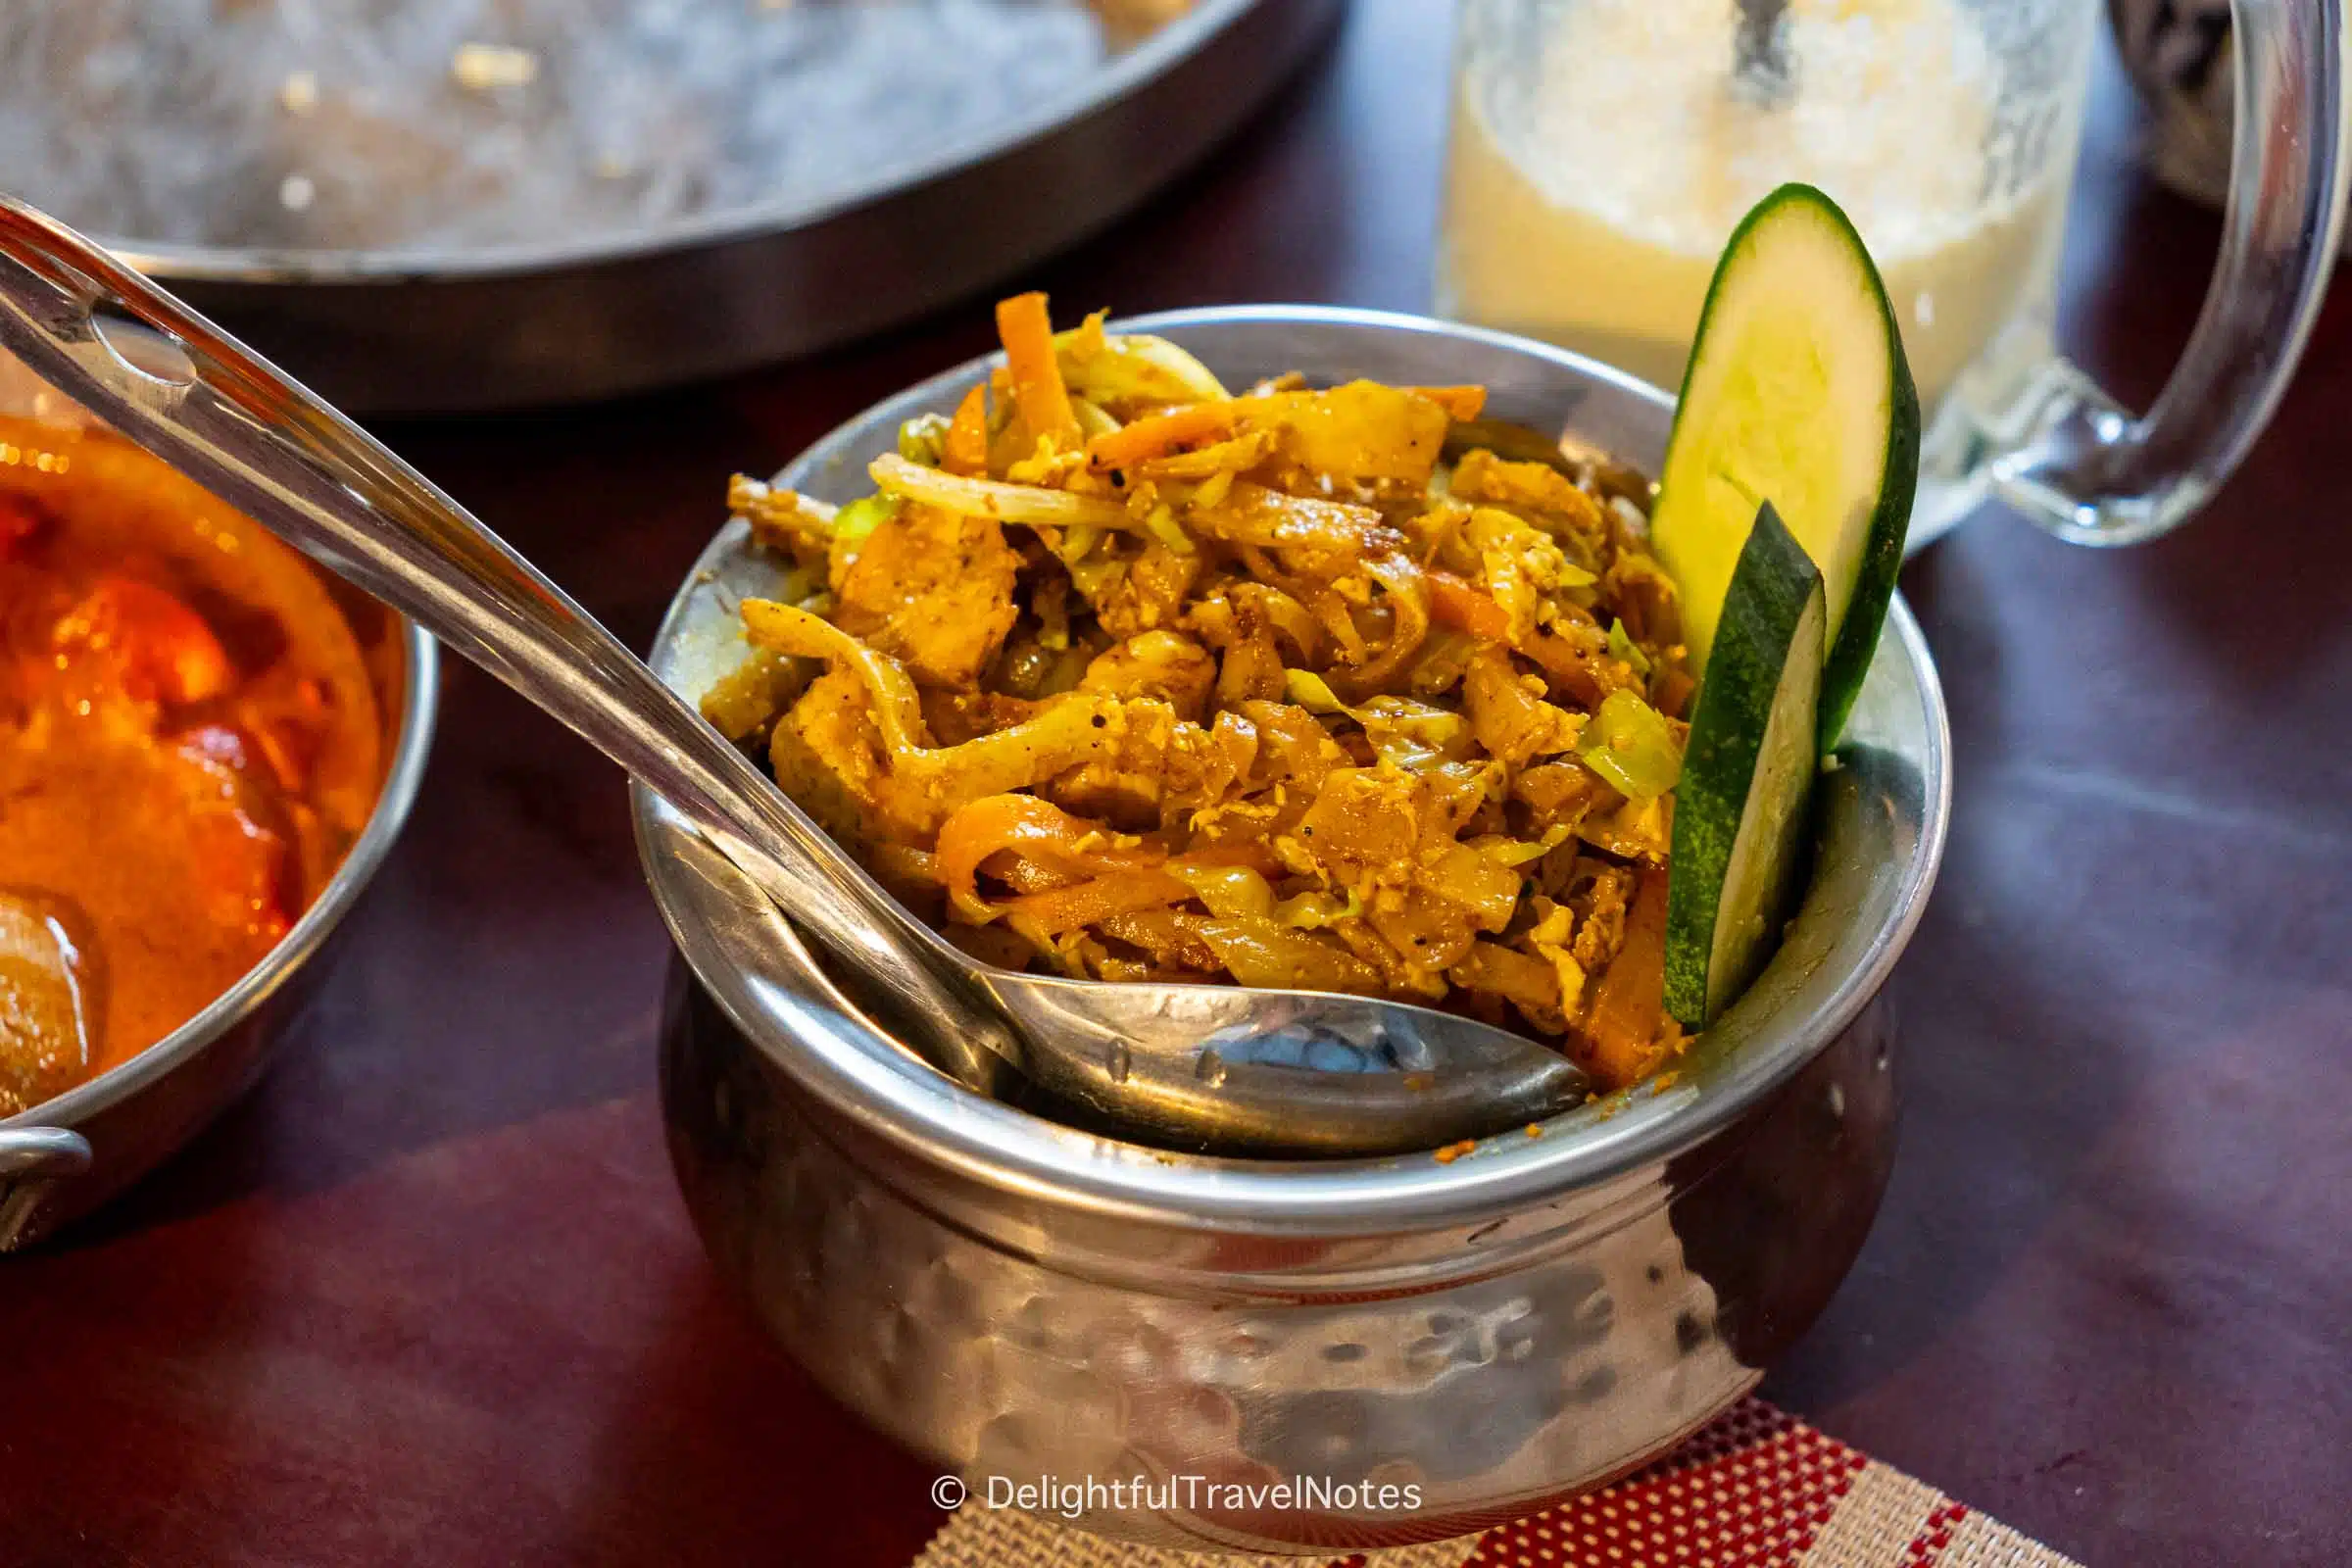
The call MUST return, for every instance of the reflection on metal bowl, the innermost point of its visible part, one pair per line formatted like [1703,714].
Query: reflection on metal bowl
[1018,1298]
[1497,1364]
[64,1157]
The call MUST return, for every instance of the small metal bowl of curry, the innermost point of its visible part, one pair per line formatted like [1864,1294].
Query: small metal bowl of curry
[206,749]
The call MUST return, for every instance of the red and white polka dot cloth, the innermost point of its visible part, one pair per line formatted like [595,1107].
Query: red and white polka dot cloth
[1759,1489]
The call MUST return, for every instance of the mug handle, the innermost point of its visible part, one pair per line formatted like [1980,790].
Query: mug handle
[2096,474]
[31,1158]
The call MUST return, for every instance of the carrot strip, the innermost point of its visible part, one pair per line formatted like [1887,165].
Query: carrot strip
[1579,673]
[1037,389]
[1120,893]
[1038,829]
[1624,1026]
[1460,402]
[1457,604]
[1159,435]
[966,451]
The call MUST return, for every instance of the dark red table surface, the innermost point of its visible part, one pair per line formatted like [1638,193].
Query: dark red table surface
[429,1295]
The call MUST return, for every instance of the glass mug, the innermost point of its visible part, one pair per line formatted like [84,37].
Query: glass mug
[1603,151]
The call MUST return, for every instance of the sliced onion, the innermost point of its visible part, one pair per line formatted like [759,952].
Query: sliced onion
[1031,506]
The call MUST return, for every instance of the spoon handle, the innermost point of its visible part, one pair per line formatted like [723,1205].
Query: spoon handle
[228,419]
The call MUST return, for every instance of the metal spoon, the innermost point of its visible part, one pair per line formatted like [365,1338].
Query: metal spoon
[1206,1067]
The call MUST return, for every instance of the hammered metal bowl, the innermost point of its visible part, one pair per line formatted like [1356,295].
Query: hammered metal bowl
[1017,1300]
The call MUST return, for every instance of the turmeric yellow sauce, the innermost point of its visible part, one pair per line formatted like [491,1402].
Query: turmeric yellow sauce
[1128,675]
[188,744]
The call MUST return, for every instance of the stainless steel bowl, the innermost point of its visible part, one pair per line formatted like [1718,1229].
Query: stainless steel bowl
[1015,1298]
[64,1157]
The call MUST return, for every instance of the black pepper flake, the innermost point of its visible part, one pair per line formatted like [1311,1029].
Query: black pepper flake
[1100,722]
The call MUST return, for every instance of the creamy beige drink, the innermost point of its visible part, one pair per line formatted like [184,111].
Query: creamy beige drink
[1599,164]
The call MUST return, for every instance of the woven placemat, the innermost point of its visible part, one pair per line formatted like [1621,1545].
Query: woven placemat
[1759,1489]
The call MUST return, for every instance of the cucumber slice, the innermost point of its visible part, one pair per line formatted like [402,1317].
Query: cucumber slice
[1747,772]
[1797,393]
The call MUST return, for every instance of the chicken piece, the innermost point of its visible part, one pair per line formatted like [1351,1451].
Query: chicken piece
[141,641]
[45,1032]
[934,590]
[1152,770]
[240,845]
[830,755]
[1161,665]
[1456,891]
[1150,593]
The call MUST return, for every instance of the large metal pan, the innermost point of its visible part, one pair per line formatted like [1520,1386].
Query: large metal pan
[572,320]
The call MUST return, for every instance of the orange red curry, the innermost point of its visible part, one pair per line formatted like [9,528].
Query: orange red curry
[189,742]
